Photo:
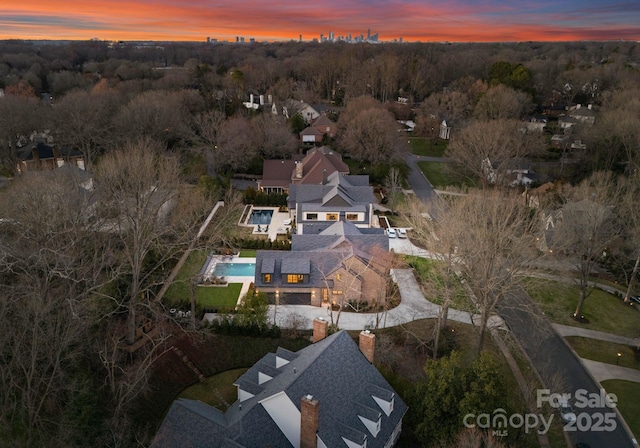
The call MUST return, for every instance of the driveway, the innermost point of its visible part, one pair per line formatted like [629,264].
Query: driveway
[557,365]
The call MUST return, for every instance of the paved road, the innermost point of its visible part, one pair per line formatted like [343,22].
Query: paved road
[419,184]
[556,363]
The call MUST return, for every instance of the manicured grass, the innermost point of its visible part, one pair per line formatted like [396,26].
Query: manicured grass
[423,146]
[218,296]
[628,394]
[248,253]
[206,296]
[440,175]
[179,289]
[603,351]
[604,311]
[432,283]
[217,391]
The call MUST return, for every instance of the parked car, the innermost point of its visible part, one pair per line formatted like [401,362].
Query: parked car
[402,233]
[566,412]
[391,232]
[635,299]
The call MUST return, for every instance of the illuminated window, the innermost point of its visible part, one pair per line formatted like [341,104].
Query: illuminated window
[266,278]
[312,216]
[337,292]
[338,276]
[352,217]
[295,278]
[332,216]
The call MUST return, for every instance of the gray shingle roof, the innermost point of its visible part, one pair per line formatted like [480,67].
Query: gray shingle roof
[333,371]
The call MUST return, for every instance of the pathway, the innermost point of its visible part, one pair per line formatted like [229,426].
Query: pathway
[413,306]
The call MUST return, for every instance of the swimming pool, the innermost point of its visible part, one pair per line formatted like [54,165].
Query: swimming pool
[234,270]
[259,216]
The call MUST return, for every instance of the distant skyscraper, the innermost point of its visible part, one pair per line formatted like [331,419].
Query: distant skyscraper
[301,38]
[331,37]
[368,33]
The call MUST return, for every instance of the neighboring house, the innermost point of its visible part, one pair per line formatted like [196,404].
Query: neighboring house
[320,127]
[325,125]
[326,395]
[318,162]
[337,197]
[583,115]
[445,130]
[311,135]
[536,123]
[338,264]
[257,101]
[292,107]
[40,156]
[513,172]
[534,196]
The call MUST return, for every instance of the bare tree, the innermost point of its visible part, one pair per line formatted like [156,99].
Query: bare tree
[631,220]
[272,137]
[488,238]
[235,145]
[150,217]
[369,134]
[587,227]
[503,103]
[488,149]
[83,120]
[53,262]
[20,116]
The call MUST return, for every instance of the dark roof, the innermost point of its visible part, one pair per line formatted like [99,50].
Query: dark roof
[45,151]
[355,189]
[333,371]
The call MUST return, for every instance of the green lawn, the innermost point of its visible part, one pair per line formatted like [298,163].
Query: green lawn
[440,175]
[604,311]
[206,296]
[217,391]
[628,394]
[179,289]
[432,284]
[423,146]
[218,296]
[248,253]
[603,351]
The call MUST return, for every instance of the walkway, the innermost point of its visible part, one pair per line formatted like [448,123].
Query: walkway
[567,330]
[413,306]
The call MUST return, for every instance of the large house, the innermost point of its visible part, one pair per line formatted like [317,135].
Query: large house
[326,395]
[339,264]
[312,169]
[40,156]
[337,197]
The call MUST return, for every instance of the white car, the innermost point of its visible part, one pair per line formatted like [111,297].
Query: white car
[402,233]
[391,233]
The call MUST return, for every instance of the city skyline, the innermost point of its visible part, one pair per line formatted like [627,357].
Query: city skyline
[413,20]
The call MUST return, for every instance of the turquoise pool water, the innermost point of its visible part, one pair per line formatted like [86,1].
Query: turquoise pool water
[234,270]
[259,216]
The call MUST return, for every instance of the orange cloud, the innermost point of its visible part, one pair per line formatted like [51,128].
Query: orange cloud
[425,20]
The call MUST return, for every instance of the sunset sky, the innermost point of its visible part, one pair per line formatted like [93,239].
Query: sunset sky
[424,20]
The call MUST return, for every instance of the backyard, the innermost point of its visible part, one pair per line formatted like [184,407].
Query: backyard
[207,297]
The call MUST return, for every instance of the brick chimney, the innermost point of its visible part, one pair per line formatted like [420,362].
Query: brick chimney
[320,329]
[367,343]
[309,417]
[299,170]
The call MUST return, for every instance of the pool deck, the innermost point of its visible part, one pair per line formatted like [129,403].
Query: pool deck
[274,228]
[245,280]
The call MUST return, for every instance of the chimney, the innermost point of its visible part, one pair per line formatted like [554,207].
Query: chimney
[309,416]
[262,100]
[298,170]
[324,177]
[320,329]
[251,98]
[367,343]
